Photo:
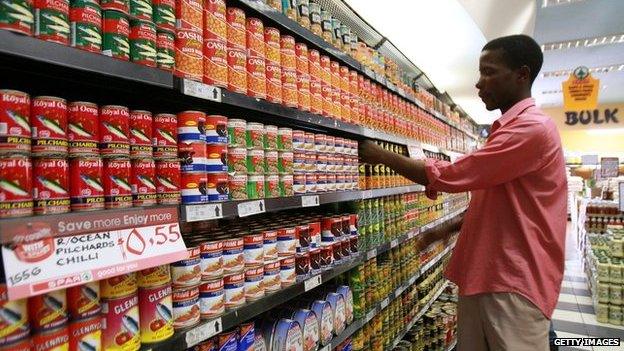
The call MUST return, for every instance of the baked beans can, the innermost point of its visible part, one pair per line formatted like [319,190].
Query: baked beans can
[114,131]
[211,256]
[288,273]
[117,183]
[52,340]
[253,249]
[228,340]
[86,177]
[189,56]
[83,129]
[238,186]
[303,267]
[16,327]
[143,42]
[15,136]
[233,255]
[236,28]
[254,289]
[191,126]
[165,50]
[163,13]
[255,37]
[48,120]
[186,309]
[85,19]
[217,187]
[164,136]
[17,16]
[143,182]
[254,136]
[270,245]
[301,53]
[140,124]
[237,129]
[116,34]
[272,45]
[287,241]
[48,311]
[86,334]
[193,157]
[316,97]
[186,273]
[289,87]
[122,6]
[168,180]
[303,92]
[315,261]
[287,52]
[118,286]
[215,22]
[16,185]
[237,70]
[153,277]
[156,317]
[141,10]
[215,62]
[189,15]
[271,186]
[52,21]
[84,300]
[285,162]
[273,82]
[256,77]
[234,285]
[272,280]
[217,156]
[286,185]
[299,183]
[255,162]
[212,299]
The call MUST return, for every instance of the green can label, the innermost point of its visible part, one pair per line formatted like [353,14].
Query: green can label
[164,14]
[116,30]
[165,55]
[122,6]
[17,16]
[141,9]
[52,21]
[143,42]
[86,25]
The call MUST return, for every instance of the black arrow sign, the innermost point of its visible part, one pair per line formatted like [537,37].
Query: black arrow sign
[217,211]
[215,93]
[261,206]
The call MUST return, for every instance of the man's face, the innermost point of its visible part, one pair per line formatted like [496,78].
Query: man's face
[497,82]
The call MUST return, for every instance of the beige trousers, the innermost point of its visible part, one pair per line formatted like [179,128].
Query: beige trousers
[500,321]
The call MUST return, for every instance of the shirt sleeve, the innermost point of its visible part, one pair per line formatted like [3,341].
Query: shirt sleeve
[508,154]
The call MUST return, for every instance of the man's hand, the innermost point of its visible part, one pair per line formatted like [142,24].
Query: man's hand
[370,152]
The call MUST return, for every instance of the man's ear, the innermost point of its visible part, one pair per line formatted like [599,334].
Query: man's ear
[524,73]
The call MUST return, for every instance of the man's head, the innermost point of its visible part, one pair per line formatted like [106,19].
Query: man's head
[508,67]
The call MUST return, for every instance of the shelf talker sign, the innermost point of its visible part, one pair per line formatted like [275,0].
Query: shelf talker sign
[55,252]
[580,91]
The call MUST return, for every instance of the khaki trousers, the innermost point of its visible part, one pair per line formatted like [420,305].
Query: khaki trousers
[500,321]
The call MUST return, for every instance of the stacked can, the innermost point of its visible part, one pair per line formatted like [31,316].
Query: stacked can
[120,313]
[217,155]
[189,40]
[85,19]
[164,17]
[345,94]
[186,277]
[273,65]
[254,142]
[256,59]
[316,91]
[155,304]
[289,71]
[52,21]
[165,150]
[236,50]
[326,87]
[336,92]
[215,43]
[49,318]
[303,76]
[15,331]
[285,159]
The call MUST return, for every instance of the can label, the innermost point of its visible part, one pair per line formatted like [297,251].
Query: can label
[155,305]
[215,62]
[255,136]
[143,182]
[116,32]
[255,162]
[236,31]
[327,256]
[270,245]
[16,184]
[140,133]
[215,23]
[188,52]
[233,256]
[254,288]
[122,6]
[304,238]
[212,299]
[85,333]
[301,52]
[303,92]
[52,21]
[285,139]
[216,129]
[271,186]
[153,277]
[141,9]
[54,340]
[287,271]
[299,183]
[286,241]
[310,183]
[18,18]
[49,126]
[246,337]
[121,324]
[193,156]
[321,182]
[186,310]
[192,126]
[189,15]
[273,82]
[114,131]
[194,187]
[253,249]
[84,300]
[117,186]
[303,266]
[315,234]
[217,155]
[218,187]
[255,37]
[270,137]
[256,77]
[186,273]
[227,341]
[287,48]
[237,70]
[310,162]
[211,260]
[87,190]
[86,26]
[48,311]
[234,286]
[164,14]
[119,286]
[17,328]
[289,87]
[255,187]
[286,185]
[165,136]
[83,132]
[272,280]
[238,186]
[315,261]
[168,180]
[285,162]
[15,130]
[272,40]
[237,129]
[165,50]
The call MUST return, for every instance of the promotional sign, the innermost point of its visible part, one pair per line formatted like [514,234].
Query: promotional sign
[621,191]
[589,160]
[609,167]
[580,91]
[55,252]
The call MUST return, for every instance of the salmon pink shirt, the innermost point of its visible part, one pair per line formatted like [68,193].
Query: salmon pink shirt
[513,235]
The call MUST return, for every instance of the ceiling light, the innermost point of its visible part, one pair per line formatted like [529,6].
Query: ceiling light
[567,72]
[611,39]
[548,3]
[614,131]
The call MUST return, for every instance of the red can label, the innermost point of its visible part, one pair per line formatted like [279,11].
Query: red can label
[303,92]
[255,37]
[16,185]
[316,95]
[236,36]
[117,188]
[22,23]
[83,130]
[301,52]
[49,126]
[165,134]
[274,83]
[140,133]
[168,182]
[256,77]
[48,311]
[189,53]
[114,130]
[216,129]
[51,185]
[54,340]
[215,62]
[15,130]
[122,6]
[237,70]
[52,21]
[87,191]
[189,15]
[143,182]
[217,156]
[121,318]
[215,23]
[289,87]
[272,41]
[156,315]
[85,332]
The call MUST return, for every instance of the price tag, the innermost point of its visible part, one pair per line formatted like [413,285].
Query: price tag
[251,208]
[394,243]
[412,280]
[312,282]
[398,292]
[385,303]
[203,332]
[369,72]
[370,315]
[201,90]
[310,201]
[609,167]
[326,348]
[203,212]
[416,152]
[370,254]
[367,194]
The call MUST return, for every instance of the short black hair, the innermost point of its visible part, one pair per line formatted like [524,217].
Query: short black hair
[519,50]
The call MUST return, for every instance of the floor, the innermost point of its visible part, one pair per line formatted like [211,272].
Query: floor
[574,316]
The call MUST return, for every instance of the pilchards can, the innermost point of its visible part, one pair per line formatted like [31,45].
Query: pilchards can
[52,21]
[217,187]
[114,130]
[234,285]
[116,181]
[153,277]
[116,33]
[16,184]
[237,70]
[84,300]
[15,129]
[163,12]
[255,162]
[121,324]
[86,334]
[85,19]
[165,134]
[119,286]
[189,53]
[186,273]
[122,6]
[215,22]
[156,317]
[142,41]
[269,238]
[192,126]
[48,311]
[141,10]
[238,186]
[193,156]
[285,162]
[216,129]
[285,139]
[168,181]
[233,255]
[83,130]
[256,76]
[303,266]
[215,62]
[217,157]
[287,271]
[212,299]
[286,185]
[271,162]
[52,340]
[48,121]
[273,82]
[143,182]
[17,16]
[86,177]
[194,187]
[165,50]
[271,186]
[17,328]
[186,310]
[211,255]
[254,289]
[140,133]
[272,280]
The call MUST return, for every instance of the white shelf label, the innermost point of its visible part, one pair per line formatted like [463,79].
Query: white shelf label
[203,332]
[367,194]
[326,348]
[251,208]
[412,280]
[394,243]
[385,303]
[312,282]
[201,90]
[416,152]
[203,212]
[370,254]
[310,201]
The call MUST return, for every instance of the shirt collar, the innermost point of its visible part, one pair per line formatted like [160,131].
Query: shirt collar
[513,112]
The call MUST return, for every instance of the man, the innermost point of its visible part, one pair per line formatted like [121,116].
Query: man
[509,258]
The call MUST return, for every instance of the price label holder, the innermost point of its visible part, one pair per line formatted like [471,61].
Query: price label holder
[371,254]
[371,314]
[310,201]
[394,243]
[385,303]
[312,282]
[250,208]
[367,194]
[203,332]
[416,152]
[203,212]
[412,280]
[201,90]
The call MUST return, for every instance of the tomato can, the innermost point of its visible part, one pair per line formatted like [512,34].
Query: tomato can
[114,131]
[217,156]
[193,156]
[115,34]
[15,136]
[164,15]
[85,19]
[212,299]
[289,87]
[286,185]
[234,285]
[272,280]
[189,15]
[84,300]
[17,18]
[165,50]
[254,289]
[189,54]
[192,126]
[165,136]
[121,323]
[16,185]
[168,180]
[215,22]
[186,273]
[17,328]
[271,186]
[287,241]
[122,6]
[156,316]
[86,179]
[253,249]
[52,340]
[117,184]
[303,266]
[236,31]
[255,37]
[215,62]
[186,310]
[119,286]
[140,124]
[288,274]
[217,187]
[52,21]
[143,182]
[83,129]
[194,187]
[233,255]
[48,120]
[211,255]
[228,340]
[237,70]
[238,186]
[86,334]
[255,162]
[255,187]
[285,162]
[273,82]
[299,183]
[48,311]
[153,277]
[256,77]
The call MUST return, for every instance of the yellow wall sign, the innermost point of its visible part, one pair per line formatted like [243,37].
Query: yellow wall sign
[580,91]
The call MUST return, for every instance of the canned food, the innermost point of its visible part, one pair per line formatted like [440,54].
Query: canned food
[84,300]
[215,62]
[186,310]
[119,286]
[165,49]
[315,261]
[255,187]
[309,323]
[327,256]
[256,76]
[168,180]
[51,21]
[233,255]
[186,273]
[254,136]
[270,245]
[194,187]
[303,236]
[165,136]
[254,289]
[140,133]
[272,277]
[337,303]
[271,186]
[289,87]
[288,274]
[49,126]
[86,334]
[298,140]
[211,260]
[86,25]
[48,311]
[331,228]
[188,51]
[52,340]
[288,335]
[217,156]
[212,299]
[121,324]
[287,51]
[331,182]
[286,185]
[15,137]
[16,328]
[287,241]
[237,70]
[153,277]
[228,340]
[216,129]
[237,132]
[246,337]
[164,14]
[273,82]
[143,182]
[285,162]
[323,311]
[122,6]
[18,18]
[215,23]
[143,40]
[270,165]
[303,266]
[236,31]
[337,250]
[315,233]
[87,191]
[218,187]
[156,317]
[255,37]
[141,9]
[234,290]
[299,183]
[83,133]
[117,188]
[114,130]
[238,186]
[272,44]
[50,190]
[191,126]
[253,249]
[116,33]
[309,161]
[347,295]
[193,157]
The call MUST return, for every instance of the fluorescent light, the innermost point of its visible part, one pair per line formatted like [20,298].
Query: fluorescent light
[614,131]
[610,39]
